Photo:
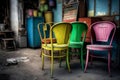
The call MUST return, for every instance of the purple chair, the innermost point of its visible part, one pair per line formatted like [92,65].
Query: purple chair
[102,34]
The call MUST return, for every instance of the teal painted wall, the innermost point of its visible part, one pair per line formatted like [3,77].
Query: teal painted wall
[102,7]
[58,12]
[115,7]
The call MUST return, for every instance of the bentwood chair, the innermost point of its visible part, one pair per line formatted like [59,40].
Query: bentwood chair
[42,26]
[61,33]
[102,34]
[77,40]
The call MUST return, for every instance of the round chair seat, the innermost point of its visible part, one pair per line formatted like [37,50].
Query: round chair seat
[99,47]
[48,40]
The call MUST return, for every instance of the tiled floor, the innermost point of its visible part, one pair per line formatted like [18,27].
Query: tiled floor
[31,69]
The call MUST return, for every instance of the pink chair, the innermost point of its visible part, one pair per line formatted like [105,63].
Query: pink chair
[102,34]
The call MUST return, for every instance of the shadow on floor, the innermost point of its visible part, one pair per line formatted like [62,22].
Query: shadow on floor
[4,77]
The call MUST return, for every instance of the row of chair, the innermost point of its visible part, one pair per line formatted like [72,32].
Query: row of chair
[64,36]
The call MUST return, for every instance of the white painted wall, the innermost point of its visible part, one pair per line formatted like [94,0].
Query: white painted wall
[14,17]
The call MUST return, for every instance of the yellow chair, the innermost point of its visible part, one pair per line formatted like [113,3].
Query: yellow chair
[61,33]
[42,34]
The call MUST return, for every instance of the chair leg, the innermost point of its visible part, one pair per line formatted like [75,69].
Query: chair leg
[69,54]
[52,62]
[91,59]
[60,59]
[41,52]
[68,57]
[82,61]
[49,53]
[42,59]
[109,62]
[68,60]
[87,58]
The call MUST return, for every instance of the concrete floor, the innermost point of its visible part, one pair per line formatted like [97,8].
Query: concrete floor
[31,70]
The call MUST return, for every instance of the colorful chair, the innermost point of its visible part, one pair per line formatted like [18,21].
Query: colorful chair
[102,34]
[42,34]
[61,32]
[77,39]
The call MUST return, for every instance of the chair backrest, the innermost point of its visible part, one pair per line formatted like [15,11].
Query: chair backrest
[103,31]
[44,30]
[61,31]
[40,30]
[79,31]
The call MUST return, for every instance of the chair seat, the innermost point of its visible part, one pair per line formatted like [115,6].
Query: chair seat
[76,44]
[48,40]
[99,47]
[102,33]
[55,46]
[59,35]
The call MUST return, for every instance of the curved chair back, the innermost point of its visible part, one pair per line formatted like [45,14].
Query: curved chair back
[44,32]
[79,31]
[77,38]
[61,32]
[41,29]
[103,31]
[44,27]
[102,34]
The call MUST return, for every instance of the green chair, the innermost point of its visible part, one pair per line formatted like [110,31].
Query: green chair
[77,39]
[61,33]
